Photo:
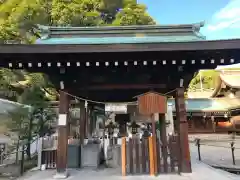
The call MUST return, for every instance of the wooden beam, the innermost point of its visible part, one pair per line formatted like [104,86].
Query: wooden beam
[123,86]
[138,47]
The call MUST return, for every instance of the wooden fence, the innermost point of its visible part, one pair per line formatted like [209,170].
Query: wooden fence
[49,158]
[49,151]
[149,156]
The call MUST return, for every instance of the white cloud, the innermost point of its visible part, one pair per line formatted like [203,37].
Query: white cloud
[231,23]
[228,13]
[228,17]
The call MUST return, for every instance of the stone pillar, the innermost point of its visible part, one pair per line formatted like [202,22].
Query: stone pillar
[62,137]
[40,148]
[182,127]
[169,117]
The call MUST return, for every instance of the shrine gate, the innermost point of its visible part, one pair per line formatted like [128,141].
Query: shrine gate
[114,64]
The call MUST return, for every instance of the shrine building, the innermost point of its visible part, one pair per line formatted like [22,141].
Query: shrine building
[115,64]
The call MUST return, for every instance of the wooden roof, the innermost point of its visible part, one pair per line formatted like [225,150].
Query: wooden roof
[149,92]
[231,78]
[224,45]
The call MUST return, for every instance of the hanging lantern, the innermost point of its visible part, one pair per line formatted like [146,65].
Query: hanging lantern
[110,127]
[134,127]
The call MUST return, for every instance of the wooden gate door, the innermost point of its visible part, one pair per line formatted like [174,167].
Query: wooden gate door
[138,157]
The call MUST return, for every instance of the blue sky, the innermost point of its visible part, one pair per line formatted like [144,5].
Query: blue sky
[222,17]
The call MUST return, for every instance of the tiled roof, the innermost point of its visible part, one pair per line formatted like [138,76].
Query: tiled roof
[120,34]
[209,105]
[118,40]
[6,106]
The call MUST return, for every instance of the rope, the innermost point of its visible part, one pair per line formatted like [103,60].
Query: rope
[101,102]
[170,92]
[211,145]
[97,102]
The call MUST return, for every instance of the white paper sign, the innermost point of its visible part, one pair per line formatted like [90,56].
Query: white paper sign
[62,119]
[116,108]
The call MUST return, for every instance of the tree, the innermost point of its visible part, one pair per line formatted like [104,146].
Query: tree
[15,82]
[31,121]
[208,79]
[7,78]
[133,14]
[18,124]
[31,91]
[34,95]
[19,17]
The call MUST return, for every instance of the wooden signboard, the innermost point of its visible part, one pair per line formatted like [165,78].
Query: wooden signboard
[152,102]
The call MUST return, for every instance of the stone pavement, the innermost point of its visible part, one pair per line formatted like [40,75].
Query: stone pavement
[215,149]
[201,171]
[213,137]
[219,154]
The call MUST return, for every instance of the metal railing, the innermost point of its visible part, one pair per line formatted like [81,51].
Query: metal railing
[14,162]
[7,160]
[218,145]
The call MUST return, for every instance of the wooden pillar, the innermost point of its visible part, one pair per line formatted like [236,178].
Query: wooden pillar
[182,126]
[82,122]
[163,136]
[193,123]
[124,156]
[151,156]
[213,124]
[154,143]
[86,123]
[91,121]
[62,135]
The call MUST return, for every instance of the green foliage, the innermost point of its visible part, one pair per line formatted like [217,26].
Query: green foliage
[7,78]
[76,13]
[208,78]
[133,14]
[19,17]
[19,121]
[15,84]
[34,120]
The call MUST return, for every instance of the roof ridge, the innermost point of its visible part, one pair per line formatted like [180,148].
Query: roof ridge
[194,26]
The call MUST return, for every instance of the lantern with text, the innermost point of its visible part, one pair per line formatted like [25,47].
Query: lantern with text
[151,103]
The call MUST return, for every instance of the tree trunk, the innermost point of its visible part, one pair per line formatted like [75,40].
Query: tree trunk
[41,133]
[17,149]
[29,139]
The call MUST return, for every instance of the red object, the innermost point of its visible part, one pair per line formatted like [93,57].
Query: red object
[226,124]
[152,102]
